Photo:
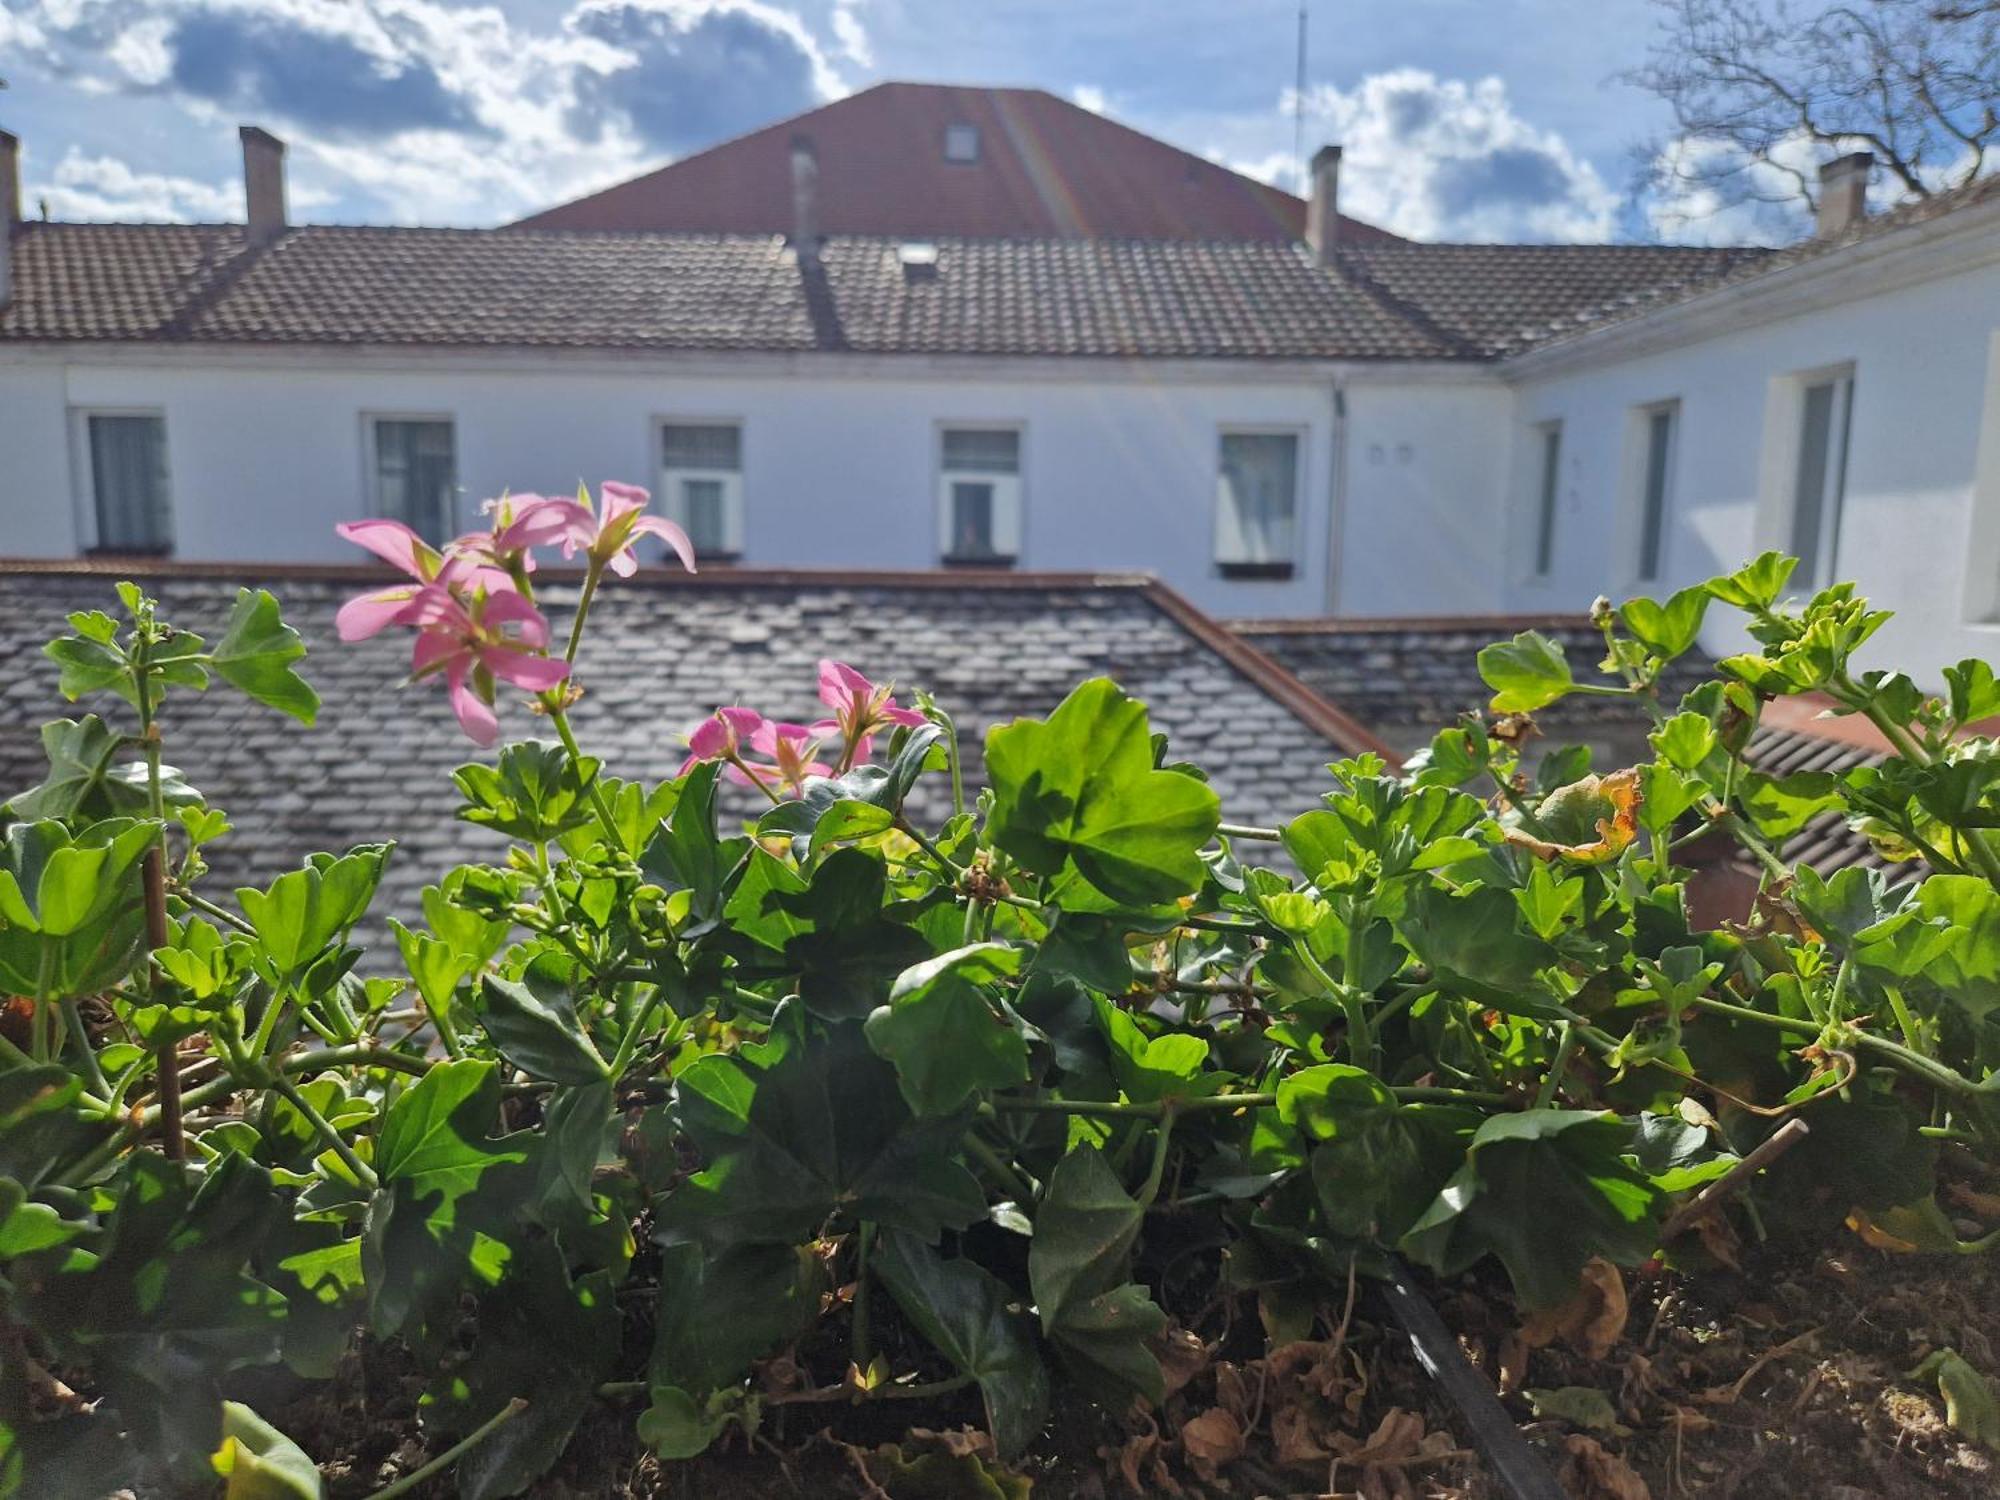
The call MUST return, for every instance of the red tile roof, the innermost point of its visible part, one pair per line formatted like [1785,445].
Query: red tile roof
[1045,168]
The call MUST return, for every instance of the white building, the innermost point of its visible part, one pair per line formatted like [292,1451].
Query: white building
[1275,429]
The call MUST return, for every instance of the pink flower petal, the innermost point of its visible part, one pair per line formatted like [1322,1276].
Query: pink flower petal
[840,684]
[535,673]
[370,614]
[393,542]
[671,534]
[475,717]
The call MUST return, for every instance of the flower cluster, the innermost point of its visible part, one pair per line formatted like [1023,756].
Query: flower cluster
[471,602]
[792,752]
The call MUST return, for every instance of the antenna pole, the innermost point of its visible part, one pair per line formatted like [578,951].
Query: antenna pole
[1299,106]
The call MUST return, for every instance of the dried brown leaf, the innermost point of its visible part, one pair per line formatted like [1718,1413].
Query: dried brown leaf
[1592,1321]
[1182,1356]
[1596,1473]
[1211,1440]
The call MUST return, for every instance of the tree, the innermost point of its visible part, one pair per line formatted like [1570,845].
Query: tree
[1762,94]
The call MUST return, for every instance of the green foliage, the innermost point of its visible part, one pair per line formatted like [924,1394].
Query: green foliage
[703,1108]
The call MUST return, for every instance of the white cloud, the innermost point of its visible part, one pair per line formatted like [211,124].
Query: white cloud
[1089,96]
[424,111]
[1443,159]
[102,187]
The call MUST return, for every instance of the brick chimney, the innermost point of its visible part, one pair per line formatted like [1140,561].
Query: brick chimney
[263,184]
[805,198]
[1843,192]
[10,209]
[1323,204]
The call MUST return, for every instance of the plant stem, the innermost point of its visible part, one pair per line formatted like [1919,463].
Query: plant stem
[1565,1050]
[454,1453]
[73,1019]
[862,1351]
[938,857]
[560,718]
[363,1173]
[1023,1186]
[1116,1111]
[831,1393]
[591,575]
[209,909]
[1246,831]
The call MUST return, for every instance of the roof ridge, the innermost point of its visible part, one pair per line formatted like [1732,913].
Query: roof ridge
[222,276]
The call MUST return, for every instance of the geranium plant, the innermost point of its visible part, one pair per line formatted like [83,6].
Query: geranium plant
[841,1106]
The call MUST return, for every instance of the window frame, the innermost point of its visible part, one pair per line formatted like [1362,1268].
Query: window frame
[1262,569]
[1822,567]
[941,499]
[1981,587]
[371,464]
[736,504]
[83,465]
[1654,538]
[951,129]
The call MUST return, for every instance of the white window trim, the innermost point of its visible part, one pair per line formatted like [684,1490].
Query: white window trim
[1778,466]
[371,474]
[1283,568]
[666,502]
[1004,527]
[84,474]
[1982,572]
[1632,487]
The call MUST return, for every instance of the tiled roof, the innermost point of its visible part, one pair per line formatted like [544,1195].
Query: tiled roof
[660,654]
[1826,843]
[519,288]
[1406,679]
[1492,300]
[1045,168]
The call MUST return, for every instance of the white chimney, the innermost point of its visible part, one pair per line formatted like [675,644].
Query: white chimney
[1843,192]
[805,198]
[10,210]
[263,184]
[1323,204]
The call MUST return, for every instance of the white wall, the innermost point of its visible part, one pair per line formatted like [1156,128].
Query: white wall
[1925,366]
[1119,463]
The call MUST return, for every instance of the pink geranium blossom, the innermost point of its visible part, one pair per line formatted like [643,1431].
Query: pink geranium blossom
[520,524]
[793,750]
[476,642]
[723,736]
[396,544]
[860,709]
[607,535]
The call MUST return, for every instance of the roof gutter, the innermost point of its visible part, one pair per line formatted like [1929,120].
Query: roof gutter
[1962,240]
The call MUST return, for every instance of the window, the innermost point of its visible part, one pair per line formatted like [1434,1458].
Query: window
[961,143]
[701,468]
[1257,499]
[1550,497]
[1820,481]
[979,494]
[1655,487]
[128,482]
[416,475]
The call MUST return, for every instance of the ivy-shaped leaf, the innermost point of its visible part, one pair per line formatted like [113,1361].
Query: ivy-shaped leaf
[942,1033]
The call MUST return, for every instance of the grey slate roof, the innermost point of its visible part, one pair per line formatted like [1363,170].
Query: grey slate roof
[659,656]
[1406,679]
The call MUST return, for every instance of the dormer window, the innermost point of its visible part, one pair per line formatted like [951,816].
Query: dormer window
[961,143]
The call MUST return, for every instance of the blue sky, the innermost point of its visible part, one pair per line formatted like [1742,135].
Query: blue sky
[1467,119]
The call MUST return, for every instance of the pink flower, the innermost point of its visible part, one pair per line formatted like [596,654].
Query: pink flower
[520,524]
[722,736]
[860,709]
[792,748]
[607,537]
[494,636]
[396,544]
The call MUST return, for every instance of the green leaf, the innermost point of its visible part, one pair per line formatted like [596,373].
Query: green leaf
[1757,584]
[1667,630]
[534,793]
[1542,1191]
[1971,1400]
[1974,693]
[532,1021]
[86,777]
[851,949]
[256,653]
[89,665]
[971,1318]
[434,1137]
[258,1462]
[942,1033]
[823,1128]
[1473,943]
[1582,1406]
[1685,740]
[717,1314]
[1084,1231]
[1526,673]
[542,1337]
[1152,1068]
[1081,786]
[1967,967]
[1375,1163]
[1780,806]
[304,911]
[677,1426]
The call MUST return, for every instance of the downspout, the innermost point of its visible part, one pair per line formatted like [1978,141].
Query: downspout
[1336,495]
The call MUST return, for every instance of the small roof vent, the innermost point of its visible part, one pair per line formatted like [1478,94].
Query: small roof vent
[961,142]
[918,258]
